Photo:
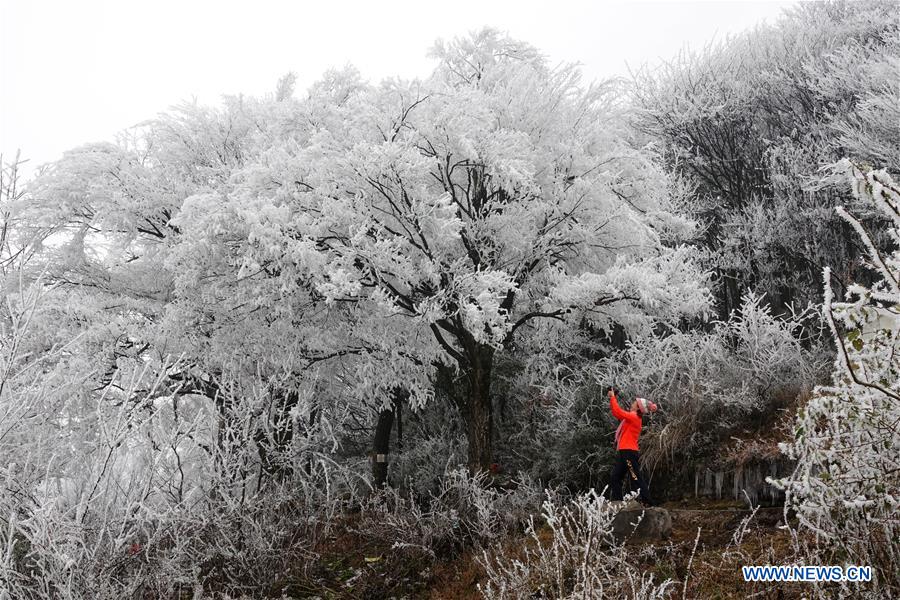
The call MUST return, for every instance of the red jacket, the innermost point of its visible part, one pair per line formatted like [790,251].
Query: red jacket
[629,429]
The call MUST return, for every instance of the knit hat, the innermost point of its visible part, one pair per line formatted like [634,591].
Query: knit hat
[646,406]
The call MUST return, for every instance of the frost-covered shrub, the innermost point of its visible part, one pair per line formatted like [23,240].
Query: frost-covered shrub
[578,559]
[133,489]
[555,423]
[553,427]
[464,511]
[117,543]
[707,383]
[210,546]
[121,519]
[846,486]
[423,462]
[432,443]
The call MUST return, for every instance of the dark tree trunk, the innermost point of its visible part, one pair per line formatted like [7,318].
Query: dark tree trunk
[381,447]
[480,413]
[731,294]
[476,363]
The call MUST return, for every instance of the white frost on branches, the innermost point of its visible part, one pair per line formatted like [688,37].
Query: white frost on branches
[846,486]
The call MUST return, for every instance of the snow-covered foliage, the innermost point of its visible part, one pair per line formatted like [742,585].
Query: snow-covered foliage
[437,220]
[214,308]
[204,325]
[464,511]
[119,481]
[846,487]
[578,559]
[748,117]
[710,383]
[125,492]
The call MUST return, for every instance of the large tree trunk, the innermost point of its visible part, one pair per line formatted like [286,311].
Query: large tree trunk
[480,413]
[471,393]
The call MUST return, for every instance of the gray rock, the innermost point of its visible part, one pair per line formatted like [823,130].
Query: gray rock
[636,524]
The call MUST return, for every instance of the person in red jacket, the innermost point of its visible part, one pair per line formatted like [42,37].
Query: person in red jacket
[628,458]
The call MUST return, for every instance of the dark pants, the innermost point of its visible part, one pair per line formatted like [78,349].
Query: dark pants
[628,465]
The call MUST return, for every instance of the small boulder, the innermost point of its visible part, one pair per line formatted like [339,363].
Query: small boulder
[637,524]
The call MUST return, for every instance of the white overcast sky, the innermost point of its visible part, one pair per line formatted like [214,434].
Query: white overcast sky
[75,71]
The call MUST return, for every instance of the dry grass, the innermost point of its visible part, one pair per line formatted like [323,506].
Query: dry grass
[353,566]
[715,571]
[457,580]
[760,443]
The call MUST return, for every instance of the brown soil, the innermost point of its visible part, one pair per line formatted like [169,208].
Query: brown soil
[350,567]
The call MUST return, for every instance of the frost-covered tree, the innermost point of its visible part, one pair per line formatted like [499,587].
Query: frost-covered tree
[456,213]
[745,118]
[11,249]
[110,211]
[846,487]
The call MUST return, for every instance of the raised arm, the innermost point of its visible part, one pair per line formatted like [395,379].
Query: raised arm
[614,406]
[622,415]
